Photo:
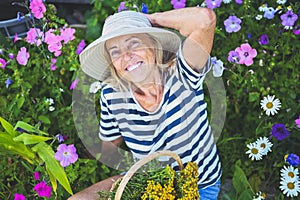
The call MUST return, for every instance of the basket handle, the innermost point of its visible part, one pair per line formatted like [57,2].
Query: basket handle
[142,162]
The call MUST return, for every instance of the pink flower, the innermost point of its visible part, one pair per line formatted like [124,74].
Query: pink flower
[35,36]
[37,8]
[297,121]
[23,56]
[67,34]
[66,154]
[36,176]
[2,63]
[19,197]
[178,4]
[43,190]
[73,84]
[53,67]
[246,54]
[16,38]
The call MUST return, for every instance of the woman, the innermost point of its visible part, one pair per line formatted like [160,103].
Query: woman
[153,97]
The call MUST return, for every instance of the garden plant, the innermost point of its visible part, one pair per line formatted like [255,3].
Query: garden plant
[255,54]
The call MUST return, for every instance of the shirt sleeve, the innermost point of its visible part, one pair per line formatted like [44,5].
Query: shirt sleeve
[194,79]
[109,129]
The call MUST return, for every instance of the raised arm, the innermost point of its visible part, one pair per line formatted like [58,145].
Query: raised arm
[197,25]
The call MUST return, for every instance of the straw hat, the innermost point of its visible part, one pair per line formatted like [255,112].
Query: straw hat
[92,59]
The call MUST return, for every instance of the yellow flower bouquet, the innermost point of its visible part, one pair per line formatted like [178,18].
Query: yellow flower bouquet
[156,184]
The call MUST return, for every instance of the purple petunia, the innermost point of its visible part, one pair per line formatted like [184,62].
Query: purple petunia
[280,132]
[74,84]
[232,24]
[212,4]
[66,154]
[289,18]
[239,1]
[233,57]
[297,121]
[293,159]
[80,47]
[122,6]
[178,4]
[264,40]
[11,56]
[43,190]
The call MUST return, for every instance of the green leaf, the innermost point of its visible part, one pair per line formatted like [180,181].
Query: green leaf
[20,102]
[52,180]
[28,128]
[253,96]
[239,180]
[44,119]
[10,146]
[30,139]
[46,153]
[247,194]
[7,127]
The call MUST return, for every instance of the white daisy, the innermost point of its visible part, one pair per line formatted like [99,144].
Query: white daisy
[265,144]
[50,101]
[254,151]
[51,108]
[94,87]
[270,105]
[289,173]
[281,1]
[259,196]
[290,187]
[258,17]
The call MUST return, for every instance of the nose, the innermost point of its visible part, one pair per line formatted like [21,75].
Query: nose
[128,55]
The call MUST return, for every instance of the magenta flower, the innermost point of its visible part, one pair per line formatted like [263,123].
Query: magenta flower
[37,8]
[264,40]
[23,56]
[11,56]
[2,63]
[288,18]
[297,121]
[122,6]
[19,197]
[73,84]
[35,36]
[279,131]
[232,24]
[246,54]
[53,67]
[293,159]
[36,176]
[66,154]
[67,34]
[178,4]
[80,47]
[16,38]
[43,190]
[233,57]
[296,32]
[212,4]
[54,42]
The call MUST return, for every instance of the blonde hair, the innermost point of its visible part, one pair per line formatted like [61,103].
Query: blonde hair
[164,60]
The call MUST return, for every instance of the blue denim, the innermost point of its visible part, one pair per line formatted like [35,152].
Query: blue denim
[211,192]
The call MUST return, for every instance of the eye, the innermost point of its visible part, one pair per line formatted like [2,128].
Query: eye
[115,53]
[134,43]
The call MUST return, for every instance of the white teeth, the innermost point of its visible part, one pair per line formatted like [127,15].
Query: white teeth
[132,67]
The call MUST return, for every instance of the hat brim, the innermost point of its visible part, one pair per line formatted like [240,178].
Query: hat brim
[94,63]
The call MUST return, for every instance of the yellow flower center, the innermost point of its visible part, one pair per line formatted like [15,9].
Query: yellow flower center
[291,185]
[254,151]
[0,64]
[269,105]
[263,145]
[291,174]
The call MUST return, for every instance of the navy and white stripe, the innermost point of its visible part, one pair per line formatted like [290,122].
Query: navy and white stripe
[179,124]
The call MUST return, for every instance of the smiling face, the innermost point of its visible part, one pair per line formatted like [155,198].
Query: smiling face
[133,57]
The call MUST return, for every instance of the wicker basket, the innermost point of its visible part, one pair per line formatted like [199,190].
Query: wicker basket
[140,163]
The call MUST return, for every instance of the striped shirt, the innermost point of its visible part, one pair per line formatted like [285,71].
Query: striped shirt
[180,123]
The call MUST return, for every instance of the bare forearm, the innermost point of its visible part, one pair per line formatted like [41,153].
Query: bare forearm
[194,23]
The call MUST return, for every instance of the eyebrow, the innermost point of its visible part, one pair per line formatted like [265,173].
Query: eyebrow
[113,47]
